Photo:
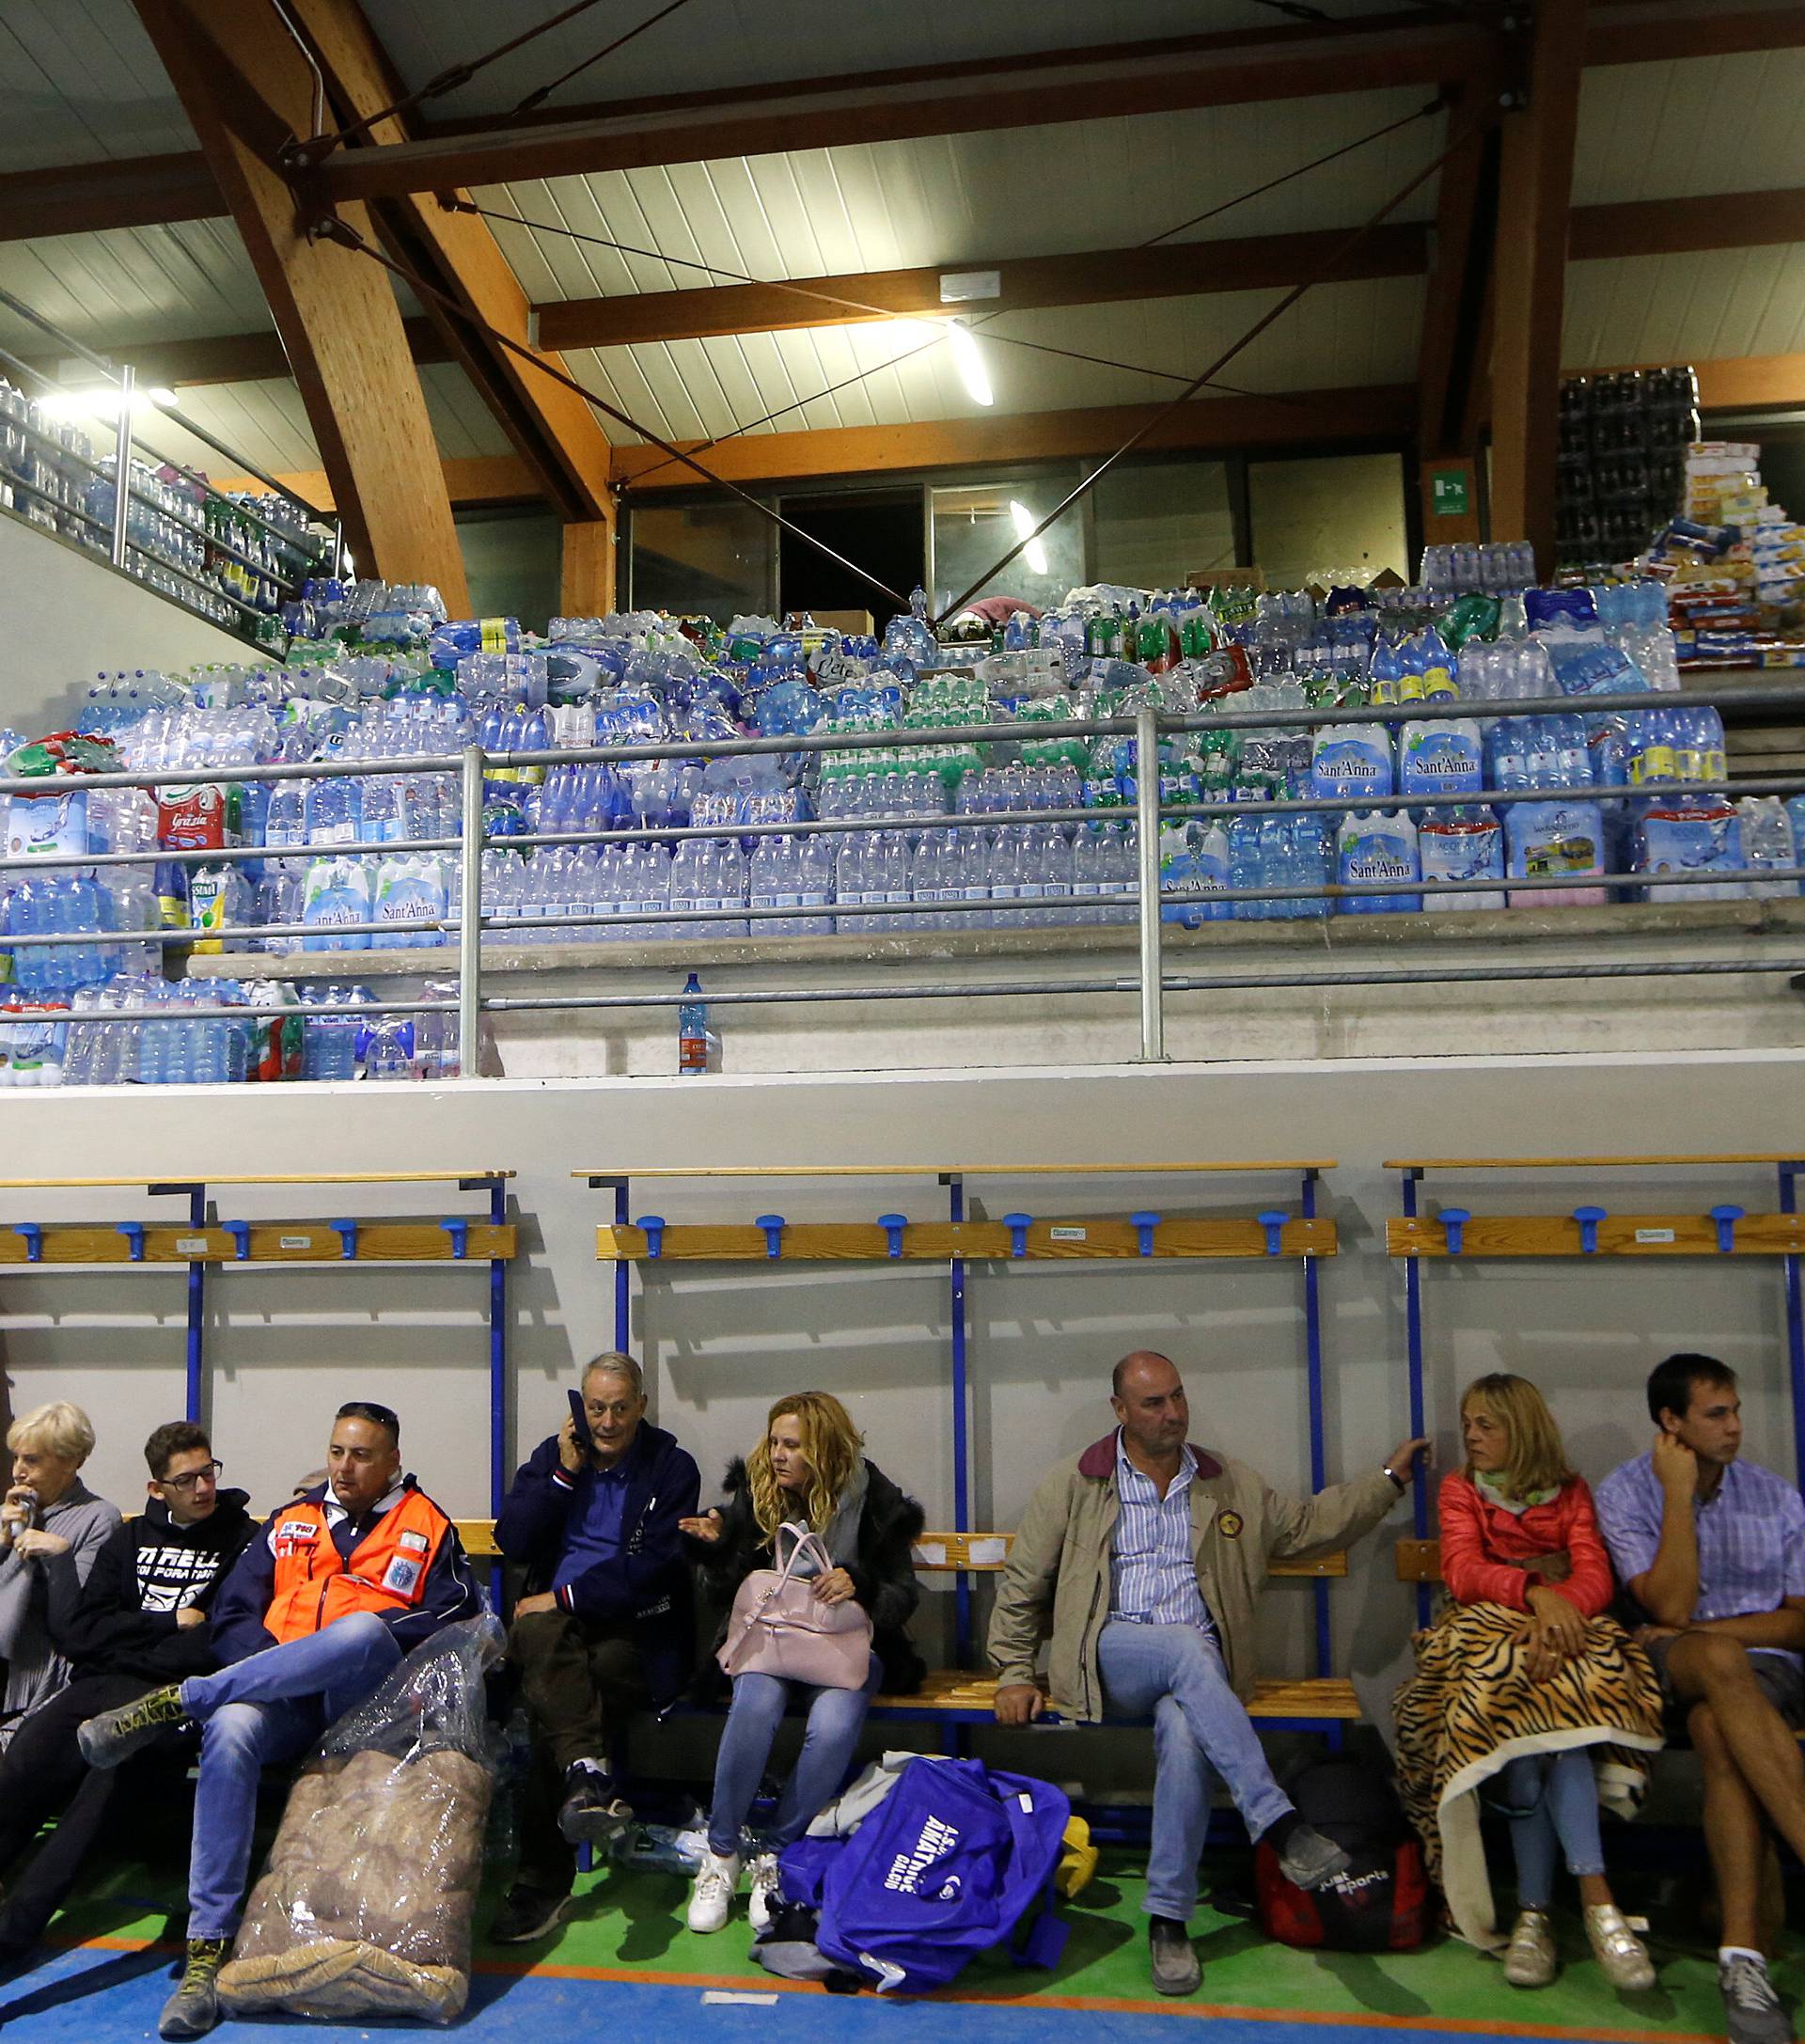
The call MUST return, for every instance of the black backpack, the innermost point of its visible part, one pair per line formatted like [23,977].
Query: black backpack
[1381,1902]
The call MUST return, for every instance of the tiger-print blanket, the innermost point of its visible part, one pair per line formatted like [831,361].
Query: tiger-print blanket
[1471,1708]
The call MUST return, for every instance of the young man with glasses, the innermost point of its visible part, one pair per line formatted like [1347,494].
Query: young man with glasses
[141,1618]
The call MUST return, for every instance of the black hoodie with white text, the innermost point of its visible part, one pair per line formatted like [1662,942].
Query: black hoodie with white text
[123,1620]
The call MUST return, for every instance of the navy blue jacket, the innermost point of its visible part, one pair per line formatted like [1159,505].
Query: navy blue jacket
[649,1586]
[449,1593]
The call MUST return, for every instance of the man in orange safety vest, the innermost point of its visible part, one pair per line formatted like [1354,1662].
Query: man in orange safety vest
[316,1612]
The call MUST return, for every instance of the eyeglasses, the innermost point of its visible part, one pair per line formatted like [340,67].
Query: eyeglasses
[208,1470]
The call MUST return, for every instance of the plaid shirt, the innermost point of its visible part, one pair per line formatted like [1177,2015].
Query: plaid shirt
[1751,1537]
[1152,1579]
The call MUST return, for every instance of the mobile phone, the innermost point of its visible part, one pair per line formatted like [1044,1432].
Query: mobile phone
[580,1420]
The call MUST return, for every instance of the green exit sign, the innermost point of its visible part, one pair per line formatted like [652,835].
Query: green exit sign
[1448,492]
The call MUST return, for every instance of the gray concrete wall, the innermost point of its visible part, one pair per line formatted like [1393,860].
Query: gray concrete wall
[68,617]
[721,1342]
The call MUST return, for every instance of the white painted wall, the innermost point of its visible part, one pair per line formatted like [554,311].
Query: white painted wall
[720,1343]
[68,617]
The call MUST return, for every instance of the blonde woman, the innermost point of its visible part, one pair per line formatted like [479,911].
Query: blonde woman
[809,1467]
[1526,1687]
[49,1521]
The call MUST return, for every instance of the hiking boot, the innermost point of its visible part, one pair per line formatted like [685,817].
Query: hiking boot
[591,1814]
[1751,2010]
[1308,1859]
[529,1913]
[1173,1956]
[1618,1949]
[763,1903]
[115,1735]
[1529,1959]
[712,1896]
[193,2009]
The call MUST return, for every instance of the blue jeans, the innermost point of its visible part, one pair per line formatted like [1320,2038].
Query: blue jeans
[836,1717]
[1551,1798]
[1200,1729]
[257,1713]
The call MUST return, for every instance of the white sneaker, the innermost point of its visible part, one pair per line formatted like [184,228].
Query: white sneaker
[712,1896]
[765,1892]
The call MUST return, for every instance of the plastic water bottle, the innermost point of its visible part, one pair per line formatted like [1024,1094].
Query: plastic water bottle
[769,887]
[1766,843]
[1245,869]
[692,1028]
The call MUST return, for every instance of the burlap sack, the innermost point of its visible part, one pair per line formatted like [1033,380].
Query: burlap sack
[365,1904]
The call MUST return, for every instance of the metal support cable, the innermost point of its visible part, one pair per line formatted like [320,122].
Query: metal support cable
[318,148]
[1347,148]
[1266,319]
[543,93]
[335,229]
[984,322]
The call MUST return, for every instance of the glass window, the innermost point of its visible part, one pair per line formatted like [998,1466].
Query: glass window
[976,523]
[712,560]
[1153,522]
[1322,519]
[513,560]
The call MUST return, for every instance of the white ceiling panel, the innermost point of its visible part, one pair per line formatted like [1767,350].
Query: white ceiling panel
[131,285]
[79,80]
[1685,308]
[1341,336]
[958,199]
[1674,130]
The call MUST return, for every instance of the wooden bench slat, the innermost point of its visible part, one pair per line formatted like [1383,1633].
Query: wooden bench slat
[1080,1238]
[1618,1234]
[1330,1698]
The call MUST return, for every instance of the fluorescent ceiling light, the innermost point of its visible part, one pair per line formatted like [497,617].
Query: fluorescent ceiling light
[1033,553]
[970,362]
[101,400]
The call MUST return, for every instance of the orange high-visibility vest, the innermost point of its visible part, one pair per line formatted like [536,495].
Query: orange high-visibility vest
[386,1572]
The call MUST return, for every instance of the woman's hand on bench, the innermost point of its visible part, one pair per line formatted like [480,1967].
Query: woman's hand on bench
[1018,1703]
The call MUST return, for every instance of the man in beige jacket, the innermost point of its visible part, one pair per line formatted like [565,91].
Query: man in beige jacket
[1147,1553]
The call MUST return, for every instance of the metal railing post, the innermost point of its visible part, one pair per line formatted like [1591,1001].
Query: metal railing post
[1153,1014]
[470,918]
[122,473]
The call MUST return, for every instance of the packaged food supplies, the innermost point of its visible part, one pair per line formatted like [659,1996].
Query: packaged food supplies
[365,1907]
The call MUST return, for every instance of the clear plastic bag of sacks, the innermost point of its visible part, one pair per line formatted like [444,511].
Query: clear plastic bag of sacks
[365,1907]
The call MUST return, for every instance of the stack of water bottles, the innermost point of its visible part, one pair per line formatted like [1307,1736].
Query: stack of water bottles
[367,858]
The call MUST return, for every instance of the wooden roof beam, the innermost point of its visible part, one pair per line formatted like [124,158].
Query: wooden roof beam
[119,192]
[241,75]
[1536,181]
[1096,276]
[1306,61]
[1381,412]
[553,429]
[1081,85]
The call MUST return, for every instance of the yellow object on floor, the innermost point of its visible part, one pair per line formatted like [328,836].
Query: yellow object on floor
[1079,1862]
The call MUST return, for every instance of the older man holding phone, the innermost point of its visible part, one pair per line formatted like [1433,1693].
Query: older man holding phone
[605,1627]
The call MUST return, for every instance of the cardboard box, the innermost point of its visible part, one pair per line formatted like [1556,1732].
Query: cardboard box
[849,624]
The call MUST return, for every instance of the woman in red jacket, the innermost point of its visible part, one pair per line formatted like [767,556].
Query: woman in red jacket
[1523,1686]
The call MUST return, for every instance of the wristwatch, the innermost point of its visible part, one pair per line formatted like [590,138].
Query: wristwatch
[1393,1474]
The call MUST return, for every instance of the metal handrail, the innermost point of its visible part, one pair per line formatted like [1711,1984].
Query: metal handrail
[121,384]
[1145,898]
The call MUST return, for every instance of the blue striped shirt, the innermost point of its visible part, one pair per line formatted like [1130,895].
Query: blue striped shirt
[1751,1537]
[1152,1577]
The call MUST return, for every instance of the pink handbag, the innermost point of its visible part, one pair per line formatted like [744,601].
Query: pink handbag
[779,1627]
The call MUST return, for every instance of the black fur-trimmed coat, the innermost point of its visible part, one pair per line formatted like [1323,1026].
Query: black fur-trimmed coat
[883,1572]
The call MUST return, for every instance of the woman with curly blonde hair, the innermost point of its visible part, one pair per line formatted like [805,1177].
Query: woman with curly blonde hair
[810,1468]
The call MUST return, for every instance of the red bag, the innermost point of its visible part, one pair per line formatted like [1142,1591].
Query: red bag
[1381,1902]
